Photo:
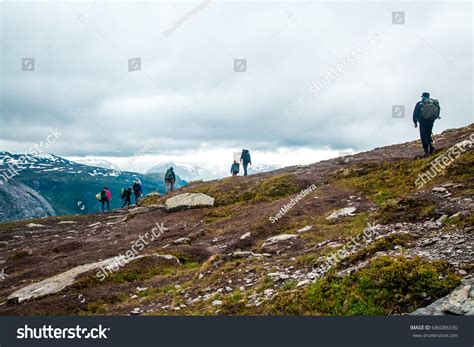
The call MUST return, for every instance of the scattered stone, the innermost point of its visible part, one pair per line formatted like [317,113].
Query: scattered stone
[141,289]
[35,225]
[279,238]
[343,212]
[187,201]
[135,311]
[244,236]
[182,240]
[442,218]
[217,303]
[57,283]
[302,283]
[306,228]
[439,190]
[268,291]
[67,222]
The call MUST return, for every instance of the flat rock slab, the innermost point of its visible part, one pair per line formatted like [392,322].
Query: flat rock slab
[57,283]
[187,201]
[343,212]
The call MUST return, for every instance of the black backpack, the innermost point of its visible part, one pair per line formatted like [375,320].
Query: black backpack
[246,156]
[103,194]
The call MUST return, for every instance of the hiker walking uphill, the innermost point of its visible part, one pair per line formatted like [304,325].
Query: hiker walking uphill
[234,169]
[246,160]
[127,196]
[105,198]
[426,112]
[137,191]
[170,178]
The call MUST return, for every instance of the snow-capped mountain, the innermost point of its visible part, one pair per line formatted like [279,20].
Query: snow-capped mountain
[67,186]
[97,162]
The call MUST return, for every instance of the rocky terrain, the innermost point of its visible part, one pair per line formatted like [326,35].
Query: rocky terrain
[357,235]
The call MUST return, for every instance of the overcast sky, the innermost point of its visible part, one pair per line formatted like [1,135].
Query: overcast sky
[187,98]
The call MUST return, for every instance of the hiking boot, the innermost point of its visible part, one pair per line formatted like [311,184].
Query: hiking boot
[432,149]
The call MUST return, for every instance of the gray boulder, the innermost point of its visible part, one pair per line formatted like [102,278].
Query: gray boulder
[459,302]
[187,201]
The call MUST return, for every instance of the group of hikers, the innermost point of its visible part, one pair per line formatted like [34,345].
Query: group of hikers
[245,160]
[105,196]
[426,111]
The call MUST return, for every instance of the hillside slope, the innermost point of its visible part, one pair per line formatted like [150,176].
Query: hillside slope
[364,239]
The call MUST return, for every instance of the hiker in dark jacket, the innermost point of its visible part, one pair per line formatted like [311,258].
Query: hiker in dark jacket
[170,179]
[127,196]
[105,197]
[426,120]
[137,191]
[234,169]
[246,160]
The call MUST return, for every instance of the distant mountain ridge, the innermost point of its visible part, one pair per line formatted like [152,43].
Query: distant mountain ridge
[206,172]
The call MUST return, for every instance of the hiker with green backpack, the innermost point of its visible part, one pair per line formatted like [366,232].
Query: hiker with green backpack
[426,112]
[170,178]
[245,159]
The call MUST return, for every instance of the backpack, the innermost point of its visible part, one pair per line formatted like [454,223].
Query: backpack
[103,195]
[430,110]
[169,176]
[246,156]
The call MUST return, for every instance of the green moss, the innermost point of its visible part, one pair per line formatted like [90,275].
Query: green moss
[460,221]
[230,191]
[409,209]
[289,285]
[276,187]
[383,244]
[462,168]
[382,196]
[387,286]
[218,214]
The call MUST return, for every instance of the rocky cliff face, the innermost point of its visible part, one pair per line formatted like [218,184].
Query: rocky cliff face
[21,202]
[358,235]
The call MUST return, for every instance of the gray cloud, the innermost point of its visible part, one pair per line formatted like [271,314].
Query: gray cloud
[187,93]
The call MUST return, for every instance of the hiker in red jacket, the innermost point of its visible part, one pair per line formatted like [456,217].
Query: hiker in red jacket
[105,197]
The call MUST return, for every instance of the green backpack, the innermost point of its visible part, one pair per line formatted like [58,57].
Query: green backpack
[430,110]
